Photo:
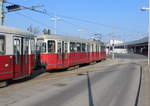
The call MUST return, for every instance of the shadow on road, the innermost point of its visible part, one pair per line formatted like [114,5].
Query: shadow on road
[138,92]
[89,91]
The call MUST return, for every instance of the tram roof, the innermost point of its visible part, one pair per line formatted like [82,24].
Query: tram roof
[67,38]
[12,30]
[62,37]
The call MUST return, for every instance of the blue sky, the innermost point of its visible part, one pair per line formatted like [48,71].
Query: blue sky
[120,18]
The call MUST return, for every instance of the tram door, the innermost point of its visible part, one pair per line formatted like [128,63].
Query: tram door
[20,57]
[88,50]
[61,53]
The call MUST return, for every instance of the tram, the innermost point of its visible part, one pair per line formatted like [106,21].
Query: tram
[57,51]
[17,54]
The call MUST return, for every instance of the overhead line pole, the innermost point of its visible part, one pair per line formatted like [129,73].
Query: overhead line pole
[149,32]
[55,19]
[1,12]
[148,9]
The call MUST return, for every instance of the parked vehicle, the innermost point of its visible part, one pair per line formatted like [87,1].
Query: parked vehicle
[17,54]
[57,51]
[21,52]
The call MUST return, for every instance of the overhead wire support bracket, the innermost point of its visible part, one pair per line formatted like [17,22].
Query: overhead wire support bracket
[16,7]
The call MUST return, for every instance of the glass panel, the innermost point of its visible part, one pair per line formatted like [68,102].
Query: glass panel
[51,46]
[66,48]
[59,47]
[17,51]
[72,47]
[2,45]
[83,47]
[32,46]
[88,48]
[41,47]
[25,50]
[103,48]
[78,47]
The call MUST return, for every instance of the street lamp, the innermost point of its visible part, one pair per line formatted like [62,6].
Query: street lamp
[148,9]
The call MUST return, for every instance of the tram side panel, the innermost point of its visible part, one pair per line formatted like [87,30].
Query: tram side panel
[6,67]
[6,58]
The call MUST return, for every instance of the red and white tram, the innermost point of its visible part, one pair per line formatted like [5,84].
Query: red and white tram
[56,51]
[17,54]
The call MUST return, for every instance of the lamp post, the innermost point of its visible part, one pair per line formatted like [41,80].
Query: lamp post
[148,9]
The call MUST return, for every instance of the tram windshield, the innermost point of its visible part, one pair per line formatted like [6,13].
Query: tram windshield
[2,45]
[41,47]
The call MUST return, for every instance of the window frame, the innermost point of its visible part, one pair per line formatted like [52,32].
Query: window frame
[59,52]
[72,47]
[79,48]
[66,47]
[54,49]
[83,50]
[17,51]
[4,39]
[32,46]
[41,44]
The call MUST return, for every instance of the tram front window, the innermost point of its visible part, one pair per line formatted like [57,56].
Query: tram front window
[2,45]
[41,47]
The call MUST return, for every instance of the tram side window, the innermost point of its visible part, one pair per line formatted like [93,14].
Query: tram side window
[78,47]
[96,48]
[83,47]
[66,48]
[92,48]
[51,46]
[59,47]
[72,47]
[41,47]
[103,48]
[32,46]
[17,50]
[25,46]
[25,50]
[88,48]
[2,45]
[99,48]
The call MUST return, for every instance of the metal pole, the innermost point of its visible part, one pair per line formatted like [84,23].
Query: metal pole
[149,33]
[113,51]
[1,12]
[55,23]
[55,19]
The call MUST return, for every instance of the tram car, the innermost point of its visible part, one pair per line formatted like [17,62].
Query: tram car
[57,51]
[17,54]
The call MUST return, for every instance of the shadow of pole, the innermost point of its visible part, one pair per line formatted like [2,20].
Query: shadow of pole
[89,91]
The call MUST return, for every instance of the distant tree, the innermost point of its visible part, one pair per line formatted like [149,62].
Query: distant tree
[34,30]
[97,36]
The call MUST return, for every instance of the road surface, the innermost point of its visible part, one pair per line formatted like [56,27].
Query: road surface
[116,85]
[109,83]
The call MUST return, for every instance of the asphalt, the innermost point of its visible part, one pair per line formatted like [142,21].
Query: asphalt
[117,85]
[124,81]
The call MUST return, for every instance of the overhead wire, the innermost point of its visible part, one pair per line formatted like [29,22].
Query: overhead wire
[34,20]
[77,19]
